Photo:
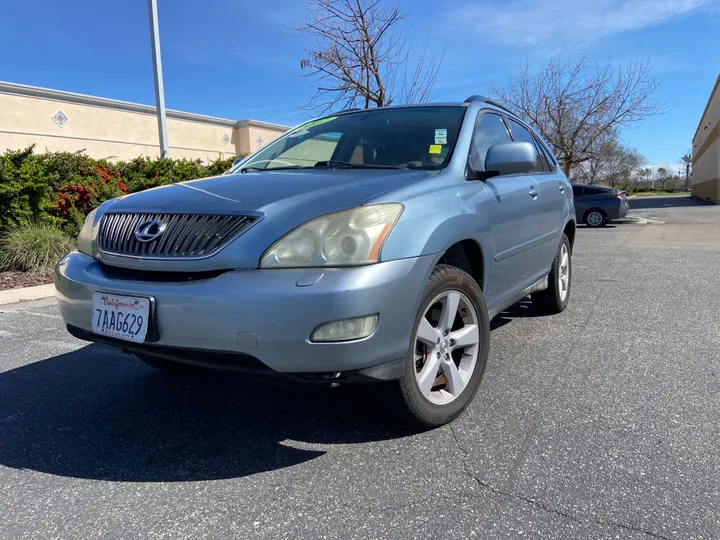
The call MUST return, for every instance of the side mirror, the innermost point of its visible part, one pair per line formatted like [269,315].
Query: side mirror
[510,158]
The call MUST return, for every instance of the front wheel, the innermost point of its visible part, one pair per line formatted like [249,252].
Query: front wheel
[555,298]
[448,349]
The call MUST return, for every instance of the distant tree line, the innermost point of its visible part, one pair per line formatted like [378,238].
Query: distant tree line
[360,59]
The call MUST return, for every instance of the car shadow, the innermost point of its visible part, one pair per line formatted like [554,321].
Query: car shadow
[98,414]
[523,309]
[639,203]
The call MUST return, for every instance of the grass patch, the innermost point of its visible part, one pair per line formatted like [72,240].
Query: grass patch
[32,247]
[650,193]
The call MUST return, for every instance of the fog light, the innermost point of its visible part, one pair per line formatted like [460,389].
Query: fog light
[346,330]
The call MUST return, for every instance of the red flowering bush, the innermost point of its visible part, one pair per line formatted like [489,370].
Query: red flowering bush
[75,201]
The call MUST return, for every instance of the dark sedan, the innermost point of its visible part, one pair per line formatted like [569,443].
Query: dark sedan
[596,205]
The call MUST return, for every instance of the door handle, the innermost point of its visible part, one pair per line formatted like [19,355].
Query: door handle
[533,191]
[561,186]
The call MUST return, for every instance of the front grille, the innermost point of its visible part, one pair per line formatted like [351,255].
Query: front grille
[185,235]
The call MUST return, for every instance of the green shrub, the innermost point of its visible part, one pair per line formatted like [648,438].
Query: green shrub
[33,246]
[62,187]
[219,166]
[24,192]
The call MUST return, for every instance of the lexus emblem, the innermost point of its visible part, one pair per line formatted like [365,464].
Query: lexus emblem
[148,231]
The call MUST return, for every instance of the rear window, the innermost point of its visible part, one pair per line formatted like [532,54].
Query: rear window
[410,137]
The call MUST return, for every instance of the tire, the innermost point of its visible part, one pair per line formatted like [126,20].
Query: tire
[555,298]
[595,218]
[444,401]
[161,364]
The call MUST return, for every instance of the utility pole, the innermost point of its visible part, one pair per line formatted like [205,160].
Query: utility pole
[157,72]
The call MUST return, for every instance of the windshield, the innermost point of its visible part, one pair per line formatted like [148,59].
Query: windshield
[412,137]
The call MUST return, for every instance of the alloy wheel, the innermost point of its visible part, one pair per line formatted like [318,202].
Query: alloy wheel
[564,273]
[446,347]
[595,219]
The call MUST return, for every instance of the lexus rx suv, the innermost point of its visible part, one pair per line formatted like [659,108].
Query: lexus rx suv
[366,246]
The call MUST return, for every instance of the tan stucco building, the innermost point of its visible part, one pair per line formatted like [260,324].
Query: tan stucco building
[56,121]
[706,150]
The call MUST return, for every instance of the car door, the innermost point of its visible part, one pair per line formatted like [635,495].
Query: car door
[578,196]
[552,189]
[593,197]
[513,211]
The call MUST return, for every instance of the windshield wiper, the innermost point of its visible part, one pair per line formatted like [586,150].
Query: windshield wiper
[337,163]
[262,169]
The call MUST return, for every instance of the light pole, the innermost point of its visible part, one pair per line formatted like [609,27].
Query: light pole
[157,72]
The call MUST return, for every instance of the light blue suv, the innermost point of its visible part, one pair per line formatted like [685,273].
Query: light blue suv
[367,246]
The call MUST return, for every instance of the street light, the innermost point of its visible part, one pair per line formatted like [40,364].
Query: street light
[157,72]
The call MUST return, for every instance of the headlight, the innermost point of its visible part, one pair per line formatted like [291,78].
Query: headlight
[84,239]
[348,238]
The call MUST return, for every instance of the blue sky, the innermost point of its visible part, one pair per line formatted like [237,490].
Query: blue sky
[240,59]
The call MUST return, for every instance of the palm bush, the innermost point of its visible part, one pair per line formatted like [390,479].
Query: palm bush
[33,246]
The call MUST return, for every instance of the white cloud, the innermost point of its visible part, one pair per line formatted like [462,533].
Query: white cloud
[556,25]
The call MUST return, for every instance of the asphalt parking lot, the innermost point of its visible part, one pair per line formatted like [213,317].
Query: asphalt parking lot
[601,422]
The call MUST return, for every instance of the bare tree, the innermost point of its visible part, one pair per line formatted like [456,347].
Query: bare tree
[611,162]
[360,59]
[593,170]
[662,174]
[622,161]
[574,107]
[687,160]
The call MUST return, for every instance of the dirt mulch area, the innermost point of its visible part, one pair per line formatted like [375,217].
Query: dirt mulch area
[14,280]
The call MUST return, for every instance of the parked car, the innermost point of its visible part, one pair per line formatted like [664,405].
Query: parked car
[596,205]
[366,246]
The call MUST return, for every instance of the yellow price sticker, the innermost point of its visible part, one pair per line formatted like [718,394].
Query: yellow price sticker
[436,148]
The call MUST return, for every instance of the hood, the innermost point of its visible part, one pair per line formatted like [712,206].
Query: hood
[282,200]
[319,191]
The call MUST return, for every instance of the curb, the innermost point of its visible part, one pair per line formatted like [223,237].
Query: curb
[648,221]
[24,294]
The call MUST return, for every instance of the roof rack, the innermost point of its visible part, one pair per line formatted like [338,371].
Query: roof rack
[489,102]
[475,97]
[345,111]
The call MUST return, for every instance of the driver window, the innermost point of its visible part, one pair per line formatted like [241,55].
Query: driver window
[490,129]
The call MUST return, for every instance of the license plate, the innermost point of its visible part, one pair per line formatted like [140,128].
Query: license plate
[121,317]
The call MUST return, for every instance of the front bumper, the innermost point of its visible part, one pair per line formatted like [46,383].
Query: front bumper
[267,315]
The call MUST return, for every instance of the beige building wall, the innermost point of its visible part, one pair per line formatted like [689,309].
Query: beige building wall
[117,130]
[257,136]
[706,151]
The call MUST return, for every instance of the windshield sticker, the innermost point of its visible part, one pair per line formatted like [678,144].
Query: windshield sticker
[435,148]
[441,136]
[318,122]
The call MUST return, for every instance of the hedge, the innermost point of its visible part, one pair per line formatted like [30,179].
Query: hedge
[61,188]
